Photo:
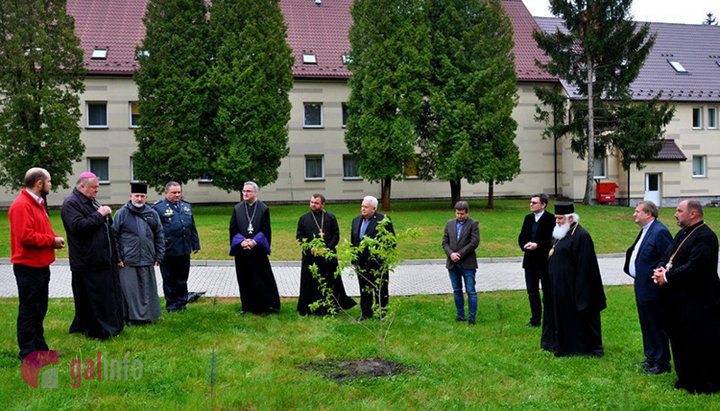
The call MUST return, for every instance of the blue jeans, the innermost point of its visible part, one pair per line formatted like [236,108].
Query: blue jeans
[457,274]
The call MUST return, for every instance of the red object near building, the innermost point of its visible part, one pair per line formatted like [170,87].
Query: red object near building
[606,192]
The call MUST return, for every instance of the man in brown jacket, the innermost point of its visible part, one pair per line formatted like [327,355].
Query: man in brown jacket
[460,239]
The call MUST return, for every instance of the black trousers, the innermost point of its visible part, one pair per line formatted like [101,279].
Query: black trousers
[175,270]
[533,279]
[369,290]
[32,283]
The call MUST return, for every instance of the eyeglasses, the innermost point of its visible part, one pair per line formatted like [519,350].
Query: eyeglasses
[534,202]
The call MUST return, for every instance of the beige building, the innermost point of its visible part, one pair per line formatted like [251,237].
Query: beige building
[319,161]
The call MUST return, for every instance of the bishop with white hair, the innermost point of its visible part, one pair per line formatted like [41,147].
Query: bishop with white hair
[574,295]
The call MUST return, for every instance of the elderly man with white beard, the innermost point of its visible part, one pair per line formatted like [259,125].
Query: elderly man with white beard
[575,293]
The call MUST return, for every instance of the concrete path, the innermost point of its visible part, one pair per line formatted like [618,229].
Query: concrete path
[217,278]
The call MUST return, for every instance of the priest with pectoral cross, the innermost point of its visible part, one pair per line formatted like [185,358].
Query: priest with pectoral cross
[318,223]
[250,236]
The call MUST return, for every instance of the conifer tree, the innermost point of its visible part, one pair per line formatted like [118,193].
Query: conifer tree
[252,78]
[41,77]
[176,108]
[390,51]
[468,128]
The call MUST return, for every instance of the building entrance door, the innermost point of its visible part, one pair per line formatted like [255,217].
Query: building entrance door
[652,188]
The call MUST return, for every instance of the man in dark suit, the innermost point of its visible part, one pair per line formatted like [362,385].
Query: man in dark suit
[368,269]
[535,240]
[460,239]
[640,260]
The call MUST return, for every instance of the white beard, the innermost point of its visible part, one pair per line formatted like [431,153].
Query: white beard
[560,231]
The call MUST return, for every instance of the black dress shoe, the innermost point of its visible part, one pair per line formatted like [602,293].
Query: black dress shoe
[194,296]
[656,369]
[532,325]
[458,319]
[645,364]
[471,321]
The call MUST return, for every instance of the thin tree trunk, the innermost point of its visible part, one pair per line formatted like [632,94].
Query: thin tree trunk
[591,134]
[491,195]
[386,193]
[454,192]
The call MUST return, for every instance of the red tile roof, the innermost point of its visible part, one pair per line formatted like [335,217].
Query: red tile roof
[112,24]
[320,30]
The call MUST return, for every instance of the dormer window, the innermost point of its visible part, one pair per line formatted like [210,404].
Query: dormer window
[677,66]
[309,59]
[99,54]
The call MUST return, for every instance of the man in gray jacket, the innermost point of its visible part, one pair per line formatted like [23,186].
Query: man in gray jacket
[140,246]
[460,239]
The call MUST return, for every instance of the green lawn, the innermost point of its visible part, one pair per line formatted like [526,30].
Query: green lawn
[495,365]
[612,228]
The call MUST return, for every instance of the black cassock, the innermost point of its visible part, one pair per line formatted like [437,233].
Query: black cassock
[309,228]
[258,290]
[691,308]
[574,298]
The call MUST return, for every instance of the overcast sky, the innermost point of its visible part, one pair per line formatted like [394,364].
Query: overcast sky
[668,11]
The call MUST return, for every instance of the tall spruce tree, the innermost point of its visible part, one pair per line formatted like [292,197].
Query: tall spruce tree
[390,49]
[600,54]
[468,129]
[41,77]
[176,108]
[252,78]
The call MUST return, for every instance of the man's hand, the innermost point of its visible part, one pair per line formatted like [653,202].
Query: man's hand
[455,257]
[104,210]
[530,246]
[659,275]
[195,251]
[121,264]
[59,242]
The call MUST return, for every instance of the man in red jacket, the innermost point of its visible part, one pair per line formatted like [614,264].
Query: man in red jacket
[32,244]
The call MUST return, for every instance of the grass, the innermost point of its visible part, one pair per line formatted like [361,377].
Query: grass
[612,228]
[495,365]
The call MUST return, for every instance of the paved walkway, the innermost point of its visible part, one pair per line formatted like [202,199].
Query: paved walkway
[217,278]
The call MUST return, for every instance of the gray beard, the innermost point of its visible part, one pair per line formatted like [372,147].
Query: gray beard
[560,231]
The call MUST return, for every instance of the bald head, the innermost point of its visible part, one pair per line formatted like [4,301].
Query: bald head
[38,181]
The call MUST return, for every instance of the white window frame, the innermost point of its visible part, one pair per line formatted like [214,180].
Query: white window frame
[343,114]
[698,110]
[89,166]
[677,66]
[205,180]
[604,160]
[322,167]
[130,115]
[132,172]
[712,118]
[305,124]
[99,54]
[87,114]
[704,166]
[346,177]
[309,58]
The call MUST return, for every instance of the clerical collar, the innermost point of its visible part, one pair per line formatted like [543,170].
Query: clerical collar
[692,227]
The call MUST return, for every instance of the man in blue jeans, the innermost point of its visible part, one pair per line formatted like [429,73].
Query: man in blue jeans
[460,239]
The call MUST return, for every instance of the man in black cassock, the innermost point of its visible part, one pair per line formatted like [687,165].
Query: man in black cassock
[576,294]
[320,223]
[250,237]
[99,308]
[691,300]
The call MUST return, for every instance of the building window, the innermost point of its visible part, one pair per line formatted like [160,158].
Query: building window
[99,54]
[314,168]
[206,178]
[699,166]
[309,59]
[313,115]
[697,118]
[712,118]
[97,114]
[678,67]
[344,114]
[350,168]
[410,168]
[600,167]
[134,114]
[101,168]
[133,172]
